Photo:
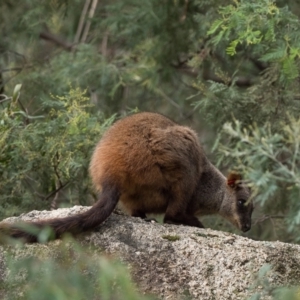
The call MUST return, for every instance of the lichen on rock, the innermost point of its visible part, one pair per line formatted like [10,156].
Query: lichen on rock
[171,261]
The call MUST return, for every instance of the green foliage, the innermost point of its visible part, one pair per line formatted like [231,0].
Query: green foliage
[128,61]
[74,272]
[237,62]
[270,291]
[270,160]
[232,60]
[260,122]
[259,33]
[47,155]
[274,30]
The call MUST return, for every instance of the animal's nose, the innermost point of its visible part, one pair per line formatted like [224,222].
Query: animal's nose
[246,227]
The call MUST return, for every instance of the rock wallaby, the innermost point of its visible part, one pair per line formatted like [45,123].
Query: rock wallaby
[150,164]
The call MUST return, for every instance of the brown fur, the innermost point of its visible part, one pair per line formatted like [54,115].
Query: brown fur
[150,164]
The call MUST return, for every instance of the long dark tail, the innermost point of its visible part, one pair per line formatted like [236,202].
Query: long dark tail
[99,212]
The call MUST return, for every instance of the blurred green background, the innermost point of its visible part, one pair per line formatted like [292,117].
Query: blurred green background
[229,69]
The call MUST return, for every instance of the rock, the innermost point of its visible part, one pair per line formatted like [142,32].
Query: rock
[171,261]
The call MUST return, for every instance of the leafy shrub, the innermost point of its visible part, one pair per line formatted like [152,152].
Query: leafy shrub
[45,157]
[70,272]
[259,125]
[269,291]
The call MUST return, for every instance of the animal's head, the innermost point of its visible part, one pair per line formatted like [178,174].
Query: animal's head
[238,205]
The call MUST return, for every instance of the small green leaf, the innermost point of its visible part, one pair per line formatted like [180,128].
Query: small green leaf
[215,26]
[231,49]
[16,92]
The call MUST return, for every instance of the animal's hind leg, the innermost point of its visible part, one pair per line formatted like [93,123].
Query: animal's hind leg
[176,212]
[138,213]
[182,218]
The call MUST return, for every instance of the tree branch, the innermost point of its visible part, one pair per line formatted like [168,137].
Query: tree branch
[14,69]
[5,98]
[268,217]
[81,21]
[88,23]
[240,81]
[48,36]
[57,190]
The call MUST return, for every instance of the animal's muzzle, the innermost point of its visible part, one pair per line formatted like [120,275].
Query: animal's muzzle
[246,227]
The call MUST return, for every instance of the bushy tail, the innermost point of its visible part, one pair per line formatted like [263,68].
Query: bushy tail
[99,212]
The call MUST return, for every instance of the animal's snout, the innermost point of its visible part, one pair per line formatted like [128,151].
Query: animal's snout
[246,227]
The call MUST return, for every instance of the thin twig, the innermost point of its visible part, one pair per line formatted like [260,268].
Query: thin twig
[55,191]
[267,217]
[55,169]
[17,73]
[6,99]
[273,227]
[23,107]
[46,35]
[58,184]
[166,97]
[183,17]
[53,205]
[104,44]
[17,54]
[11,69]
[88,22]
[81,21]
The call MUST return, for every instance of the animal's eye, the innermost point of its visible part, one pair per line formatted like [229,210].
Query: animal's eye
[241,202]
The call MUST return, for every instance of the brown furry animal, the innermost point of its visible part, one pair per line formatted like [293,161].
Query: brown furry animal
[150,164]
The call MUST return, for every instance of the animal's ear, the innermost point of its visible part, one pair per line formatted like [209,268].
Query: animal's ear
[233,179]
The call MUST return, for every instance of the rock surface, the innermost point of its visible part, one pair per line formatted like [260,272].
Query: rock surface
[171,261]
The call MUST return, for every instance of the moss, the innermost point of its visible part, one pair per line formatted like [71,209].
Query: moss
[171,238]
